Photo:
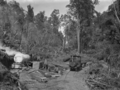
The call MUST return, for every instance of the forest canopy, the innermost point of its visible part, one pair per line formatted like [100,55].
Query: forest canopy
[85,29]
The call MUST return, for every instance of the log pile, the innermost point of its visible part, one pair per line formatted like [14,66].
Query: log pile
[101,79]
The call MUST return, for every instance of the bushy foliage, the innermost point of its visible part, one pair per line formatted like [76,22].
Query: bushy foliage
[27,33]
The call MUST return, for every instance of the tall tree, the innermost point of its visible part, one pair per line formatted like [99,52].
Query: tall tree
[2,2]
[40,19]
[83,11]
[55,17]
[30,13]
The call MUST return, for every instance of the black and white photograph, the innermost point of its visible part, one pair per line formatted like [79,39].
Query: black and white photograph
[59,44]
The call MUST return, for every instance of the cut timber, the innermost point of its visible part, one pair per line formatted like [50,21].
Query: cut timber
[36,65]
[56,75]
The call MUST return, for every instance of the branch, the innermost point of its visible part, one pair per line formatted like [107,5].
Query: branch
[92,82]
[116,14]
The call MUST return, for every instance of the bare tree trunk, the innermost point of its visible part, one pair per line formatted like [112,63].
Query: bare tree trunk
[116,14]
[79,41]
[64,43]
[27,38]
[79,37]
[20,40]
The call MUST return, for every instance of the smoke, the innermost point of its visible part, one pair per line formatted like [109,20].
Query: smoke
[7,50]
[11,52]
[62,28]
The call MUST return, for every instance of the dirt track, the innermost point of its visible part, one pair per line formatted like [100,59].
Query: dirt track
[69,81]
[76,81]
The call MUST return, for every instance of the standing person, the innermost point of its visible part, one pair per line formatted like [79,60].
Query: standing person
[45,64]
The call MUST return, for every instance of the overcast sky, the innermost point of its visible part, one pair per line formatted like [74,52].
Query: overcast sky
[49,5]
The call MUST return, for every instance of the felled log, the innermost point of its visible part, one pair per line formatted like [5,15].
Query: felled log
[94,83]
